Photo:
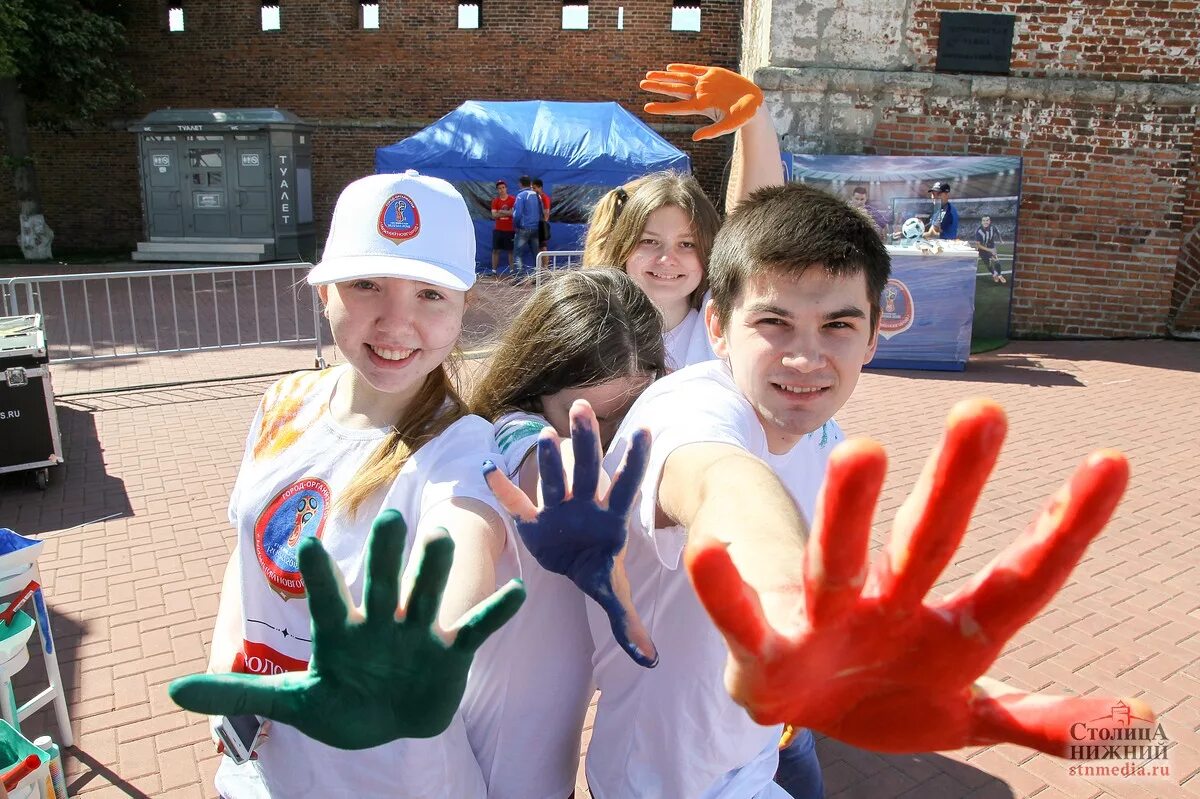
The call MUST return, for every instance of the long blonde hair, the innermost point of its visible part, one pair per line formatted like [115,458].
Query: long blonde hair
[621,215]
[436,407]
[580,329]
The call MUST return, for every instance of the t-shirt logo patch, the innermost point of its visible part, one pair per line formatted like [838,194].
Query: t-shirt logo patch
[297,512]
[399,220]
[897,309]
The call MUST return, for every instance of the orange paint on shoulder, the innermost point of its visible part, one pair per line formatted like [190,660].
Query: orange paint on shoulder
[280,426]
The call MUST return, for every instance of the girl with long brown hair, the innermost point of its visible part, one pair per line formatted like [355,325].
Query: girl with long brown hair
[586,335]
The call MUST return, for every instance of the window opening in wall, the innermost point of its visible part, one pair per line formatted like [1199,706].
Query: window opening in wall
[175,17]
[575,15]
[368,15]
[270,15]
[470,15]
[685,15]
[620,18]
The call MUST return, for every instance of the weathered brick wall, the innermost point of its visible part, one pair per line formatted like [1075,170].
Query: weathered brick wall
[1110,176]
[1103,39]
[363,88]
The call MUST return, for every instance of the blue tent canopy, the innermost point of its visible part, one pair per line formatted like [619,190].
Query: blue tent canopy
[579,150]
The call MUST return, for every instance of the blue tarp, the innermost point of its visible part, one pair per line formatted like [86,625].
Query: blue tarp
[579,150]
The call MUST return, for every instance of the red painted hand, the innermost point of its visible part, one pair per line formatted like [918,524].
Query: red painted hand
[875,663]
[725,97]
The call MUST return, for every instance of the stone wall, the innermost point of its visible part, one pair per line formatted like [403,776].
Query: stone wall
[1101,106]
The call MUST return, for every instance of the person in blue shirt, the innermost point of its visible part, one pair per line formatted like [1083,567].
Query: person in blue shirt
[528,213]
[944,222]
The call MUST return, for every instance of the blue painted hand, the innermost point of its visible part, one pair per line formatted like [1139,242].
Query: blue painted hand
[578,534]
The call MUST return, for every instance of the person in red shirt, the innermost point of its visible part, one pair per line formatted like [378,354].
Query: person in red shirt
[544,228]
[502,236]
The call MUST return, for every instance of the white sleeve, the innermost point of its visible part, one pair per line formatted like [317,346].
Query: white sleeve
[672,426]
[454,470]
[516,434]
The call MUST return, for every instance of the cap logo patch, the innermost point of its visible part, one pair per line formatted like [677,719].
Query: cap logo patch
[399,220]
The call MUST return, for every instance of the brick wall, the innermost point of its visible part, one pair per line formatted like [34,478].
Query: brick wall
[1103,39]
[363,88]
[1101,106]
[1101,193]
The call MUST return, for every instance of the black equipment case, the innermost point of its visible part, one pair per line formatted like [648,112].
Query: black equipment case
[29,436]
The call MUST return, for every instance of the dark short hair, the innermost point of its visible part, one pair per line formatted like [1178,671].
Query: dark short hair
[804,226]
[502,183]
[859,190]
[538,182]
[524,181]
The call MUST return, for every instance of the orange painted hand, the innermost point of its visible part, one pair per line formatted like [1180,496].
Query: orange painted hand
[875,663]
[725,97]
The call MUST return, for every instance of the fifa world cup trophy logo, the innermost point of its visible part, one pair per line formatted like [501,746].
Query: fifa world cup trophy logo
[308,507]
[889,299]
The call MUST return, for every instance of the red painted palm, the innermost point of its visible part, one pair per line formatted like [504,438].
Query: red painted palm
[868,658]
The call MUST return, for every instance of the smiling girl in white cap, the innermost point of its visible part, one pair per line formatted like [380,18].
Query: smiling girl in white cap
[328,450]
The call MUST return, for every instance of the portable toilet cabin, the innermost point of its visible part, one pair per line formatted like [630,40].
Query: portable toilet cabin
[229,185]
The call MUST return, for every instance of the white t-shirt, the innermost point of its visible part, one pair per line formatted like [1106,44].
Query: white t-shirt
[687,343]
[673,730]
[525,721]
[297,462]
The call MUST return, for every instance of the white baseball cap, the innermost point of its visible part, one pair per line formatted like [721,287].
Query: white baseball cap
[408,226]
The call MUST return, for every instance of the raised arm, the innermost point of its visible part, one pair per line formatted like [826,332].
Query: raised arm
[757,160]
[734,103]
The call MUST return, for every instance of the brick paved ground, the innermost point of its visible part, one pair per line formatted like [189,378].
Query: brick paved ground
[137,542]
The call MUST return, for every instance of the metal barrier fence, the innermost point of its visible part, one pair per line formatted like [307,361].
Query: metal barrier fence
[551,260]
[105,315]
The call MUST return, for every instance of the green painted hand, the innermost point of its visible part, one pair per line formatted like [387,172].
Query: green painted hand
[376,674]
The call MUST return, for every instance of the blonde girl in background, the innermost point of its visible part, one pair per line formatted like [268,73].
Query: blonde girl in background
[660,227]
[660,230]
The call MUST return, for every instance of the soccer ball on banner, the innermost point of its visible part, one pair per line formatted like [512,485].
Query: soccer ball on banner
[913,228]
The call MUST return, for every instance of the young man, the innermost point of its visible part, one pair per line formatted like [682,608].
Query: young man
[987,238]
[943,224]
[544,228]
[794,319]
[858,199]
[502,236]
[764,625]
[528,213]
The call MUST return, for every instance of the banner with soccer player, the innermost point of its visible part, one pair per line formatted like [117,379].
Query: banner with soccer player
[951,227]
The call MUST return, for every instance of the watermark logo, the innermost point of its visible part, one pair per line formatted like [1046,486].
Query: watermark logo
[1128,745]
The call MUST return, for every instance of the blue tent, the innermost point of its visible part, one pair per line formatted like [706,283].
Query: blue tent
[579,150]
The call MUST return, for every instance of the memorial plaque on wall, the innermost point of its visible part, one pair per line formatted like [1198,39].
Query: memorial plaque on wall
[972,42]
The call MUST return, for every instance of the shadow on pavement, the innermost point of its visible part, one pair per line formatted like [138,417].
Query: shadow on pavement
[68,633]
[852,773]
[80,490]
[996,367]
[93,768]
